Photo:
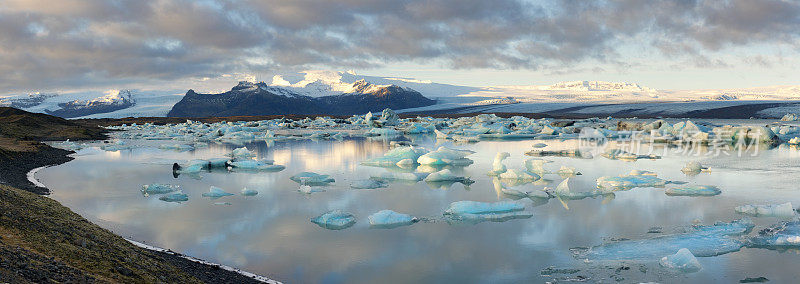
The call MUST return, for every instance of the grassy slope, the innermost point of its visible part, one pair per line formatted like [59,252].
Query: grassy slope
[41,226]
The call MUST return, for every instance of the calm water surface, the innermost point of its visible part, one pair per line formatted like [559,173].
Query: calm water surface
[270,233]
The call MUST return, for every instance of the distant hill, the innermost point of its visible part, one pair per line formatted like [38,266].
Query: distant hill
[248,98]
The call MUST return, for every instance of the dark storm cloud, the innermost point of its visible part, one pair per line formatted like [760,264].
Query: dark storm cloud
[81,42]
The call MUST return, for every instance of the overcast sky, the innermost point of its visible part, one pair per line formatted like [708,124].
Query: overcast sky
[685,44]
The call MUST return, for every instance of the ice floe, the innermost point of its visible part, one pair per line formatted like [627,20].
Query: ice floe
[335,220]
[388,219]
[310,178]
[683,261]
[693,190]
[216,192]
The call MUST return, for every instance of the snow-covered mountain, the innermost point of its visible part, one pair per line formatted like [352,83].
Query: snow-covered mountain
[318,83]
[112,101]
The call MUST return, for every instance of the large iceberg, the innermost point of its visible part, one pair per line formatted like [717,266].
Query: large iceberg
[335,220]
[702,241]
[388,219]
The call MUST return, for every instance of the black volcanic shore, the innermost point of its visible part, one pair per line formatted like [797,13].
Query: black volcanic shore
[41,241]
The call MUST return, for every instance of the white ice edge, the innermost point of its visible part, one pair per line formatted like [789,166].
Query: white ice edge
[32,177]
[225,267]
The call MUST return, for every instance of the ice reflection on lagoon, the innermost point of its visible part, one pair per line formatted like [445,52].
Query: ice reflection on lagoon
[270,233]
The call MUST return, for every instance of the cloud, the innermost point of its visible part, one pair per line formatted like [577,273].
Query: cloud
[56,44]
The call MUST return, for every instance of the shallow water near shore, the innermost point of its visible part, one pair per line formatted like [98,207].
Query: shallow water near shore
[270,233]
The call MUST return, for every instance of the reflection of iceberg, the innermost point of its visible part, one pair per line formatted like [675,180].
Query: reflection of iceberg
[475,212]
[216,192]
[536,166]
[518,175]
[388,219]
[368,184]
[335,220]
[683,261]
[158,188]
[778,210]
[702,241]
[175,197]
[693,190]
[309,178]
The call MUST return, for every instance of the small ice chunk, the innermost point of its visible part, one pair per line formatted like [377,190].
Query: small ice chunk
[539,145]
[310,189]
[368,184]
[388,219]
[249,192]
[335,220]
[216,192]
[158,188]
[497,166]
[565,171]
[784,210]
[693,167]
[693,190]
[444,175]
[174,197]
[310,178]
[683,261]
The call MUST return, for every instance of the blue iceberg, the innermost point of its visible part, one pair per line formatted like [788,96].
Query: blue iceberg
[335,220]
[388,219]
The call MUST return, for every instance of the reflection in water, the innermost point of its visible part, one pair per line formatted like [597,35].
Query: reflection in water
[270,233]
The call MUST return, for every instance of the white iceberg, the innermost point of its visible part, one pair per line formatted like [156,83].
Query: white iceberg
[446,156]
[784,210]
[307,189]
[335,220]
[497,165]
[242,153]
[683,261]
[387,219]
[396,155]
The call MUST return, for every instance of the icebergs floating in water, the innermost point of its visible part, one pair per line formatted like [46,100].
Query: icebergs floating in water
[248,192]
[158,188]
[782,236]
[446,156]
[497,165]
[335,220]
[396,156]
[702,241]
[784,210]
[683,261]
[263,165]
[309,178]
[693,190]
[476,212]
[388,219]
[216,192]
[632,180]
[618,154]
[445,175]
[174,197]
[693,168]
[242,153]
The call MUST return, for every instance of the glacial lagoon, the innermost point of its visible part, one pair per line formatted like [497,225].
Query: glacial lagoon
[271,233]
